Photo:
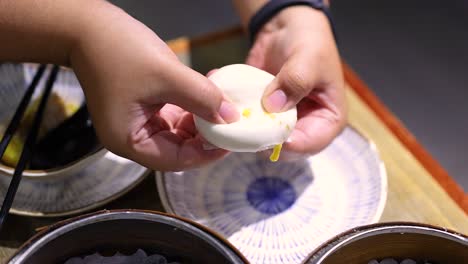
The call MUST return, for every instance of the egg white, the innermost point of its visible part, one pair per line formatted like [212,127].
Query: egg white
[256,130]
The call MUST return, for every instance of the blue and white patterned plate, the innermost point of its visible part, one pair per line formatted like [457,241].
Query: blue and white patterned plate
[279,212]
[99,183]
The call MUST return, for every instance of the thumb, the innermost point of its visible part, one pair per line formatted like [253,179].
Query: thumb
[197,94]
[294,81]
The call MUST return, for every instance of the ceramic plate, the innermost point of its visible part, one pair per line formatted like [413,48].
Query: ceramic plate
[280,212]
[104,180]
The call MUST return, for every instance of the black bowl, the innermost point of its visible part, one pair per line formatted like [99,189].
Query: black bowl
[68,142]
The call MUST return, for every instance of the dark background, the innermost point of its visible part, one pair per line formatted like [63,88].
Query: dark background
[413,54]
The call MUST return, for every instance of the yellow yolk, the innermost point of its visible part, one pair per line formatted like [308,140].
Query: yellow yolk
[246,113]
[276,153]
[271,115]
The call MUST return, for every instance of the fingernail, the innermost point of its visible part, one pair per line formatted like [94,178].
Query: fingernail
[275,101]
[211,72]
[292,137]
[228,112]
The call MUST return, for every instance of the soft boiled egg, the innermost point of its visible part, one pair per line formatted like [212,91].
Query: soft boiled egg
[256,130]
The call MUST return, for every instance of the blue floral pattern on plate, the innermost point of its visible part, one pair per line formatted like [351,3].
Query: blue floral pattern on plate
[279,212]
[270,195]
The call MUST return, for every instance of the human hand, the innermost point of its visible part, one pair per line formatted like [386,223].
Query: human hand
[297,46]
[141,98]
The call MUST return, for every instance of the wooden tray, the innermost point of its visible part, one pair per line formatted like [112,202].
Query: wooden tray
[420,190]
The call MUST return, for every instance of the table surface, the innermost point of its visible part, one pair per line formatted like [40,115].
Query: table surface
[419,190]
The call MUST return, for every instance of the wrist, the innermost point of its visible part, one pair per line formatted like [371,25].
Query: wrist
[247,8]
[94,25]
[293,16]
[277,14]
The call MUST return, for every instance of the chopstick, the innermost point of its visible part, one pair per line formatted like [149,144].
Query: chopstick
[28,148]
[16,120]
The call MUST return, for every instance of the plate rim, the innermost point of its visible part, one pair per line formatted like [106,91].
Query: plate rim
[142,175]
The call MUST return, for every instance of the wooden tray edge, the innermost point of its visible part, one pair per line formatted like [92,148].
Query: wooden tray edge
[407,138]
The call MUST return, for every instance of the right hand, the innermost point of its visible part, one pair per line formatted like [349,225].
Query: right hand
[141,97]
[297,45]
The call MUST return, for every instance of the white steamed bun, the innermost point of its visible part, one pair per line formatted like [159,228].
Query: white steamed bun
[256,130]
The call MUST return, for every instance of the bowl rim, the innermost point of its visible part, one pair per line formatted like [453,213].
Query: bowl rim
[95,155]
[105,215]
[145,172]
[330,246]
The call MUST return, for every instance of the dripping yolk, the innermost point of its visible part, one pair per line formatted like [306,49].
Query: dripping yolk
[246,113]
[276,153]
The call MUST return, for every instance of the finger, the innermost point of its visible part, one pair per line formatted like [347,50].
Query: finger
[198,95]
[295,81]
[166,119]
[181,121]
[211,72]
[193,153]
[317,126]
[169,151]
[171,114]
[187,124]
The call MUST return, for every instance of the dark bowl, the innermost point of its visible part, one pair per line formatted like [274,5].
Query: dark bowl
[125,231]
[399,241]
[14,80]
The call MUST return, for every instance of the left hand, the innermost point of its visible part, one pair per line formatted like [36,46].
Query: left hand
[297,46]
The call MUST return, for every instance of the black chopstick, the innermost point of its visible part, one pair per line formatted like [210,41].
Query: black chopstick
[28,148]
[16,120]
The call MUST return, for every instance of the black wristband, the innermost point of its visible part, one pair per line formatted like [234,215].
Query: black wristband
[271,8]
